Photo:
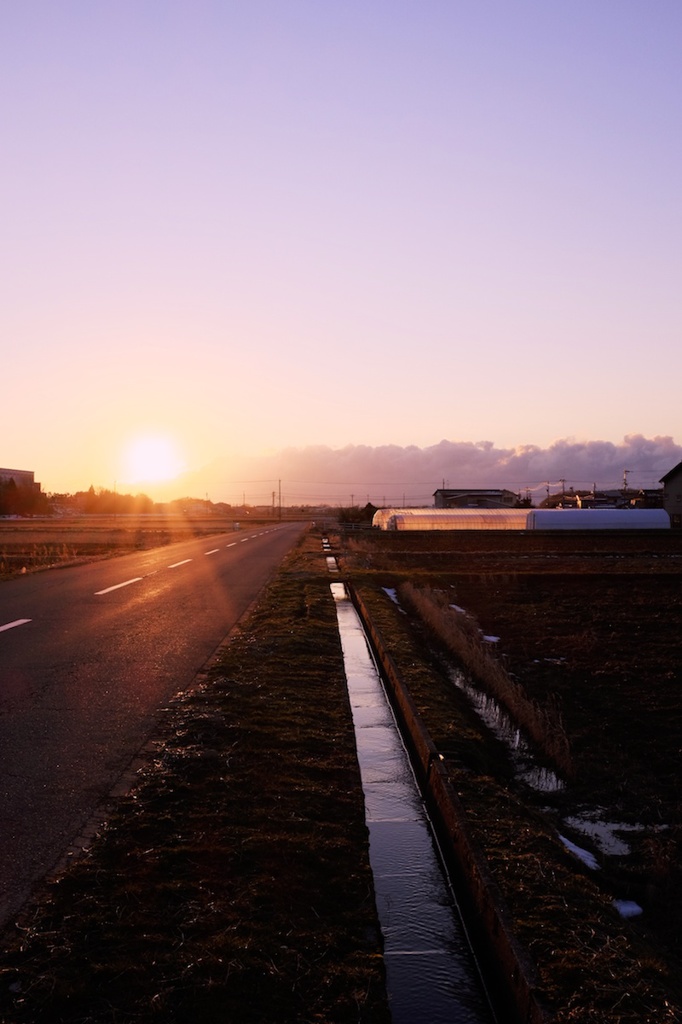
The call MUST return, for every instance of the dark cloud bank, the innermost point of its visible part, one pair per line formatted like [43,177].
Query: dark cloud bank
[395,475]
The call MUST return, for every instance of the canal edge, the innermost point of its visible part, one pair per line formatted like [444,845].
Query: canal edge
[516,971]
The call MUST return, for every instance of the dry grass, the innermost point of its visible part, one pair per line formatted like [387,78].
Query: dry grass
[31,544]
[461,636]
[233,884]
[595,633]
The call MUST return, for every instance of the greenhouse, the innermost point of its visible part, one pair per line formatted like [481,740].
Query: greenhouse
[598,519]
[451,518]
[520,519]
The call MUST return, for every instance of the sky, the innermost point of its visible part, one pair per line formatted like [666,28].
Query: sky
[238,235]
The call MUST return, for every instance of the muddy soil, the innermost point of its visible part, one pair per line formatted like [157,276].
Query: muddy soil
[590,627]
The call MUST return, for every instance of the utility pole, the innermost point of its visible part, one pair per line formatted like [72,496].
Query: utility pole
[280,498]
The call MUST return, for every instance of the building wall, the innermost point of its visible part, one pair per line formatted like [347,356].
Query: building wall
[672,495]
[21,477]
[462,497]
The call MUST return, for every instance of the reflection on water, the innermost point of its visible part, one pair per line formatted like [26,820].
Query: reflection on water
[498,721]
[431,973]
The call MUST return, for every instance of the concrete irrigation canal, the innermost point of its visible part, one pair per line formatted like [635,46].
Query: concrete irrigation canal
[432,974]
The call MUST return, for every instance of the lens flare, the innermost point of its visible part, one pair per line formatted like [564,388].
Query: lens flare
[151,459]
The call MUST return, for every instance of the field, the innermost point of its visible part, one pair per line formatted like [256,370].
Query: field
[587,628]
[232,881]
[29,544]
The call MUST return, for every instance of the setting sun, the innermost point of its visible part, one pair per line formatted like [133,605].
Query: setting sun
[152,459]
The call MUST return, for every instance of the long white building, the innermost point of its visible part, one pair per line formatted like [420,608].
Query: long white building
[521,519]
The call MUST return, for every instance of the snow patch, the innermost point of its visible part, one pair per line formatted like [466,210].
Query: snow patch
[603,833]
[628,908]
[585,856]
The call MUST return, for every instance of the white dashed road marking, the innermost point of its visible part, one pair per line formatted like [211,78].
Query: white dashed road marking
[117,586]
[11,625]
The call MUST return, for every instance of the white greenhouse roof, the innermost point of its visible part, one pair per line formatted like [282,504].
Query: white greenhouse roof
[598,519]
[451,518]
[520,519]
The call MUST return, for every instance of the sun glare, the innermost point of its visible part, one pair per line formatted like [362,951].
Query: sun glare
[152,459]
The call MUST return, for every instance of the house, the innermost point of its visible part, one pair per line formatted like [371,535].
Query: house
[628,498]
[19,493]
[468,497]
[607,499]
[672,494]
[21,478]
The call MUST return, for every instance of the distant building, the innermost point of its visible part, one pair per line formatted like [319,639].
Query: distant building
[21,477]
[672,494]
[602,499]
[19,493]
[468,497]
[618,498]
[607,499]
[648,497]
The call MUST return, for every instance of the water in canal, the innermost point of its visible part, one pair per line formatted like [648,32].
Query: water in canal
[432,976]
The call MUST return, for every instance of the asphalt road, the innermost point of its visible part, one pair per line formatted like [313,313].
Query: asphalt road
[89,656]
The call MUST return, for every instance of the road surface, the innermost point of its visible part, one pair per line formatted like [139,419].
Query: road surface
[89,655]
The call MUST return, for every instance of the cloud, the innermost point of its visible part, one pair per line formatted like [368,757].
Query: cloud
[391,474]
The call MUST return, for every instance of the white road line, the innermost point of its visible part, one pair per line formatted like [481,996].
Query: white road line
[118,586]
[212,552]
[11,625]
[232,545]
[183,562]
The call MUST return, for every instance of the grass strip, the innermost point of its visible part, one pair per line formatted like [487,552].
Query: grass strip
[233,882]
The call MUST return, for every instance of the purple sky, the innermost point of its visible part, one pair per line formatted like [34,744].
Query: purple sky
[248,227]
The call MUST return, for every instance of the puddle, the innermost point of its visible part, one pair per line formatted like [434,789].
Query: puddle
[627,908]
[431,973]
[541,779]
[603,833]
[587,858]
[606,836]
[392,593]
